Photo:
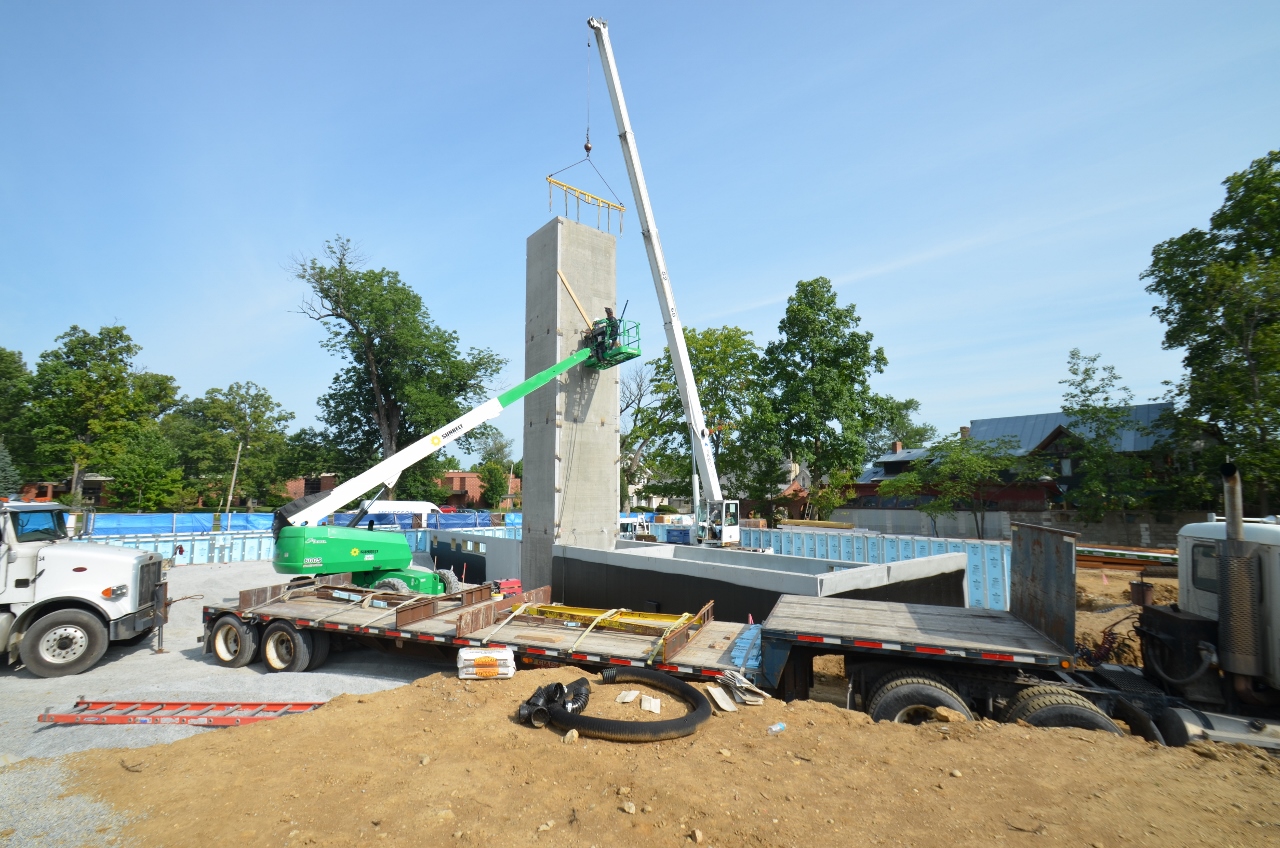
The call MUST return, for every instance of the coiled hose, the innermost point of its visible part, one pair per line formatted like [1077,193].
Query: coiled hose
[614,730]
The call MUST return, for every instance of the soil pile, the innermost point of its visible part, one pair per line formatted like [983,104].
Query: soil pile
[442,762]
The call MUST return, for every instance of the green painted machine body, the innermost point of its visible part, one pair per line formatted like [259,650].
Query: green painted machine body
[370,556]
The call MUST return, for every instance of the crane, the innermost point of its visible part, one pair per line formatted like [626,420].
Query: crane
[722,514]
[383,560]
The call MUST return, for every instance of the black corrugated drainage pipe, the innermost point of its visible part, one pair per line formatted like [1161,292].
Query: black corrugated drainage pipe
[638,731]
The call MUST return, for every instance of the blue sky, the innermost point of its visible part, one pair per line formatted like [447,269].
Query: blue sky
[984,180]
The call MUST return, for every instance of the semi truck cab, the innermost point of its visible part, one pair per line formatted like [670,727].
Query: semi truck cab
[62,601]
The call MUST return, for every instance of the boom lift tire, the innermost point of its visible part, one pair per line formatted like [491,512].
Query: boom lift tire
[638,731]
[1016,707]
[64,642]
[393,584]
[1066,711]
[286,648]
[235,643]
[911,697]
[451,582]
[320,643]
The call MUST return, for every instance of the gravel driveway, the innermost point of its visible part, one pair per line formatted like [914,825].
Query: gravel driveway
[137,672]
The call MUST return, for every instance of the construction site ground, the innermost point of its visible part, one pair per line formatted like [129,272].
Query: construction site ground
[442,761]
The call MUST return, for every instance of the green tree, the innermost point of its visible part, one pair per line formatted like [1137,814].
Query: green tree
[493,447]
[894,421]
[957,474]
[1220,292]
[493,483]
[818,372]
[146,472]
[831,494]
[207,431]
[404,375]
[86,396]
[10,479]
[15,394]
[1098,411]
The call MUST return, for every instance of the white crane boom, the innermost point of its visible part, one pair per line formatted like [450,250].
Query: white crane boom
[658,265]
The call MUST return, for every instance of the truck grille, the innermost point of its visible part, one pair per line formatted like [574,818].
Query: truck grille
[148,577]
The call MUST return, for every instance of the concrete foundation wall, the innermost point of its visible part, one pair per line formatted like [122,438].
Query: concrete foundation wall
[678,578]
[571,425]
[1134,529]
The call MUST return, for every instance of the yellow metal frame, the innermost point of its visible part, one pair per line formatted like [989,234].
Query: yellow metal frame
[587,197]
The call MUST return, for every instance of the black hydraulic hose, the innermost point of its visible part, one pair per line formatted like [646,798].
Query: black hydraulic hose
[638,731]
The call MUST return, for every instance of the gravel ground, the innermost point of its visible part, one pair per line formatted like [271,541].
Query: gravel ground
[137,672]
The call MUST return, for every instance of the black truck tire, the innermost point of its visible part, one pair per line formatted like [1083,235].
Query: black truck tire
[63,642]
[1016,707]
[910,697]
[233,642]
[1066,711]
[286,648]
[320,643]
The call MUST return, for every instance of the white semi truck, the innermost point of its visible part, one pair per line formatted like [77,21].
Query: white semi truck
[62,602]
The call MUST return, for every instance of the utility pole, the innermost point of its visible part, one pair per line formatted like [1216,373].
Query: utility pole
[235,469]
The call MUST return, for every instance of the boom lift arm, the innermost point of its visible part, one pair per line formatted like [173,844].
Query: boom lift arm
[312,508]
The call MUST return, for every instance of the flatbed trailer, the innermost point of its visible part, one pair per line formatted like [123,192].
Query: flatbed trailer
[982,661]
[701,648]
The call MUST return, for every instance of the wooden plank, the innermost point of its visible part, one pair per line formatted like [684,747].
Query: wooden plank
[479,616]
[258,597]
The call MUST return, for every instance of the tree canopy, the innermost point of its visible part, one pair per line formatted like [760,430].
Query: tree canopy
[402,374]
[1220,292]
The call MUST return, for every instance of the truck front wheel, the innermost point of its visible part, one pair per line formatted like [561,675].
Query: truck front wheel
[63,642]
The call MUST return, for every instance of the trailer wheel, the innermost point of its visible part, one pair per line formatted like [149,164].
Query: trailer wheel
[1016,707]
[286,648]
[320,643]
[451,582]
[911,697]
[235,643]
[64,642]
[1067,711]
[394,584]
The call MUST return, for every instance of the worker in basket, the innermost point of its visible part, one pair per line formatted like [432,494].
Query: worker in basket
[604,336]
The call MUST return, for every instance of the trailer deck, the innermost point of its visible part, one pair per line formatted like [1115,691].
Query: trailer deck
[703,648]
[992,636]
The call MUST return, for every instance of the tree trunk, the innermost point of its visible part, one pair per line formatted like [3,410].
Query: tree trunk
[77,484]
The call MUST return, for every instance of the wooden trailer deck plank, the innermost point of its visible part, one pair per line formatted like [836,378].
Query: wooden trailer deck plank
[712,646]
[954,627]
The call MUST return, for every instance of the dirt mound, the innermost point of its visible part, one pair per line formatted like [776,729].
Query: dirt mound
[442,762]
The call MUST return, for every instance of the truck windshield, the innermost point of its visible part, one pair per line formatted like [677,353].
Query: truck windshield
[39,526]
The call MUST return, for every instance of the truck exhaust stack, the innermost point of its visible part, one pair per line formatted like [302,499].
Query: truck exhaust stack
[1239,645]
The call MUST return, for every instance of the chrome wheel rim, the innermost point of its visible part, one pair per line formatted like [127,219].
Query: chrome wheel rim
[63,644]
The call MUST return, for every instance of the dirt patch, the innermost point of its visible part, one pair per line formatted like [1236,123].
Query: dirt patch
[442,762]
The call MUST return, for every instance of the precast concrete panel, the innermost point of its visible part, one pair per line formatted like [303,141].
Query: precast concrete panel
[570,486]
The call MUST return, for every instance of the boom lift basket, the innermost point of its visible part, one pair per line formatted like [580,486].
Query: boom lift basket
[618,348]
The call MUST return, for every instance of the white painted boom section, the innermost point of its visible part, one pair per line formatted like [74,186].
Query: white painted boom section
[389,470]
[658,265]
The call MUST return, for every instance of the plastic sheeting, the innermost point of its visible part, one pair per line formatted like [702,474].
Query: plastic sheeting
[125,524]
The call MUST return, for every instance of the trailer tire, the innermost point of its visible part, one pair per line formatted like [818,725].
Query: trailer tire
[450,580]
[394,584]
[1016,707]
[910,697]
[320,643]
[64,642]
[286,648]
[1067,711]
[235,643]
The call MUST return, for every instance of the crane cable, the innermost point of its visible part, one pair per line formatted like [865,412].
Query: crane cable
[587,147]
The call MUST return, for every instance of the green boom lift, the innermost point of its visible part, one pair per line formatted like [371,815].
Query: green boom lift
[383,559]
